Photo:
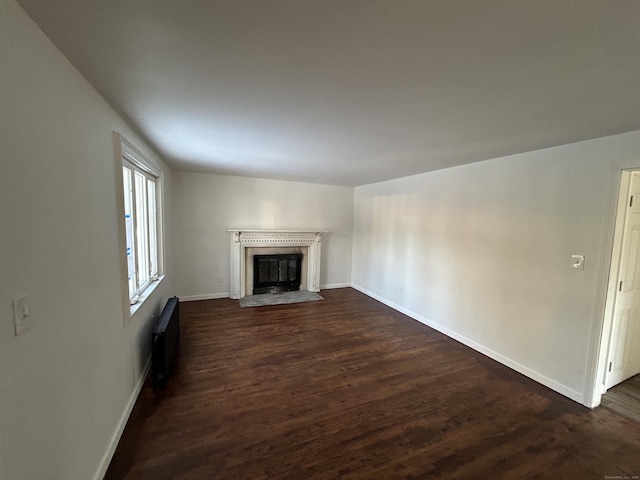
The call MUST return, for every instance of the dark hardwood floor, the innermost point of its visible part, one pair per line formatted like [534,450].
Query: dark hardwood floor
[624,399]
[348,388]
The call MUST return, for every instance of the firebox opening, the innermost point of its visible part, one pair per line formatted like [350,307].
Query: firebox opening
[276,273]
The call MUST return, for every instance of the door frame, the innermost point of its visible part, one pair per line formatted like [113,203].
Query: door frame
[614,271]
[619,180]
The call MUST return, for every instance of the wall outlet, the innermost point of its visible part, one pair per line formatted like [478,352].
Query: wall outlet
[21,314]
[577,262]
[219,278]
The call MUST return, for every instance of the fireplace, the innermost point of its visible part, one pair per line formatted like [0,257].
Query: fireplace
[245,245]
[276,273]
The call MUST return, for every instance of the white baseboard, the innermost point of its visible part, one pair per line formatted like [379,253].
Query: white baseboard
[115,439]
[206,296]
[547,382]
[334,285]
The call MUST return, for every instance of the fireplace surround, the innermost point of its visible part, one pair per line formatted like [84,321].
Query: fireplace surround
[241,240]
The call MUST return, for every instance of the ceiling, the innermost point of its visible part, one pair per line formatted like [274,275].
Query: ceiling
[350,92]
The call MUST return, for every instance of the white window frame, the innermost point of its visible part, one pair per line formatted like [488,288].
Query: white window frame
[127,156]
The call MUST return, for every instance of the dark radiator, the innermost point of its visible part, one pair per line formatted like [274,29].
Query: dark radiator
[164,341]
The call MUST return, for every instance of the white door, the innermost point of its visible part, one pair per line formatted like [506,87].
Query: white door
[624,348]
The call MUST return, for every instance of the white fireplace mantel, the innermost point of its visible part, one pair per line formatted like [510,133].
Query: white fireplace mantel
[242,239]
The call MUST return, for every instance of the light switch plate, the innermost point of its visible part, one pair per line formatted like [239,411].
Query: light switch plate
[21,314]
[577,262]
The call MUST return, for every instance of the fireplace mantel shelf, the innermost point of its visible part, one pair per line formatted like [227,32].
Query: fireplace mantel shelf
[245,230]
[241,239]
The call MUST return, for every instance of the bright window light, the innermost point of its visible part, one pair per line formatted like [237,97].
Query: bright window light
[141,225]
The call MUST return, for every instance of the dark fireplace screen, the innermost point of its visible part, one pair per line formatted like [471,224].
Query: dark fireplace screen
[276,273]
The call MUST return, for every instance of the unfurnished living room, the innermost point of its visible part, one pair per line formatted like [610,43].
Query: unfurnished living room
[319,239]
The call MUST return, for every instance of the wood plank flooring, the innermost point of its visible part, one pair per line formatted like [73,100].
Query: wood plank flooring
[624,399]
[348,388]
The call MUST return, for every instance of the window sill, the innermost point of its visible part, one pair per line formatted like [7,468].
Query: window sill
[144,296]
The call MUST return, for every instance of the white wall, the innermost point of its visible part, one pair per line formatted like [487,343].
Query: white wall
[207,205]
[483,253]
[66,383]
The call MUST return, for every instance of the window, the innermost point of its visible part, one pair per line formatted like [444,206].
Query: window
[141,183]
